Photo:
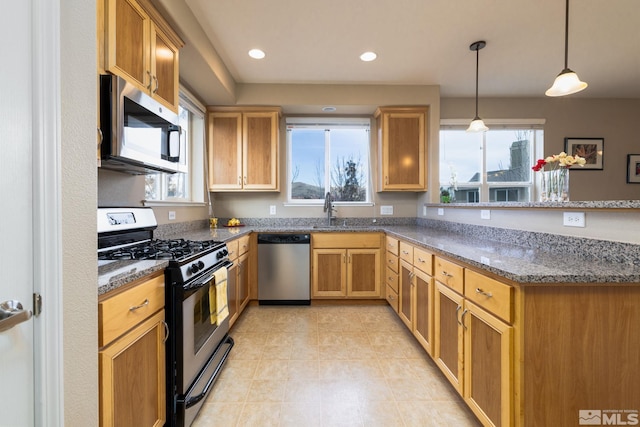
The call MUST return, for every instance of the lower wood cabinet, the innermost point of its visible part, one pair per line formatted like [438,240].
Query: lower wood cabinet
[346,265]
[132,334]
[238,277]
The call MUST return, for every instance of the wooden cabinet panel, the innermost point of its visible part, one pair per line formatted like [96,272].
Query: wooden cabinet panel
[119,313]
[391,278]
[132,377]
[423,309]
[243,148]
[405,294]
[329,272]
[393,245]
[493,296]
[423,260]
[392,298]
[448,342]
[243,281]
[488,352]
[346,240]
[232,293]
[243,244]
[450,274]
[402,136]
[406,252]
[142,49]
[363,272]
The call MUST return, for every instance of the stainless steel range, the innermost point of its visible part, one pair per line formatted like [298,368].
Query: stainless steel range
[198,344]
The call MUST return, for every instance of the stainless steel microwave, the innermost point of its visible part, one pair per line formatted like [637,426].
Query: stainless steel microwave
[139,134]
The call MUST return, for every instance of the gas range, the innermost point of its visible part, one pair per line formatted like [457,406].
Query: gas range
[197,346]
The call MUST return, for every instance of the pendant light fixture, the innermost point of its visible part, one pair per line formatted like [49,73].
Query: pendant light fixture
[567,81]
[477,125]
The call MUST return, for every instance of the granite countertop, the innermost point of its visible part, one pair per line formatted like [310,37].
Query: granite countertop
[521,264]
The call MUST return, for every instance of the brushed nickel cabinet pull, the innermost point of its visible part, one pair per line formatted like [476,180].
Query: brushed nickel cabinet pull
[462,318]
[481,292]
[144,304]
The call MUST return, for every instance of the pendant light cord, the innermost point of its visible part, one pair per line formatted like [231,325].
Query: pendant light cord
[477,66]
[566,37]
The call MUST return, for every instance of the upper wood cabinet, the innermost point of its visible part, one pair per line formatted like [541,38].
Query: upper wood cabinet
[402,148]
[243,148]
[141,47]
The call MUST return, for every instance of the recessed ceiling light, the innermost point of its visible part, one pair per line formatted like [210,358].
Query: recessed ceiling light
[368,56]
[328,109]
[256,54]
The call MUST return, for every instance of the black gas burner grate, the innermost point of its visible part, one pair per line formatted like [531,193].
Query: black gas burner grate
[173,250]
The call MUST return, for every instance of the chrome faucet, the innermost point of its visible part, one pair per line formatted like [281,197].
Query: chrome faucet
[328,207]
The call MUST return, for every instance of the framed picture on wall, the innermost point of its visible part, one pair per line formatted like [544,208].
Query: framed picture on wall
[633,168]
[592,149]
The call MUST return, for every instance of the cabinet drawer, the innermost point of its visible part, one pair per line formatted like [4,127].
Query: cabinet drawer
[392,298]
[346,240]
[391,279]
[495,297]
[392,245]
[118,314]
[423,260]
[406,252]
[243,244]
[450,274]
[233,248]
[392,262]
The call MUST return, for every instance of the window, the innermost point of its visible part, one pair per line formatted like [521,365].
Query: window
[328,157]
[183,187]
[494,166]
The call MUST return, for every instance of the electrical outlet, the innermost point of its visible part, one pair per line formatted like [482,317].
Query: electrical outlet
[386,210]
[172,215]
[573,219]
[272,210]
[440,211]
[485,214]
[424,211]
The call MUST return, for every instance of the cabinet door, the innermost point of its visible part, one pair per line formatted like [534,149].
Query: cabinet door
[164,69]
[423,309]
[329,273]
[260,150]
[225,151]
[363,272]
[448,336]
[243,281]
[128,55]
[405,294]
[488,349]
[232,293]
[403,150]
[132,377]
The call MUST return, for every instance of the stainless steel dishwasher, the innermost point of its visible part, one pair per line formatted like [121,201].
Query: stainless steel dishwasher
[283,269]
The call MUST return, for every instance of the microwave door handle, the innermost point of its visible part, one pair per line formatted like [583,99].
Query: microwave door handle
[175,133]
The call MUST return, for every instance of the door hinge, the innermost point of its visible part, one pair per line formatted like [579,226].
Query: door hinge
[37,304]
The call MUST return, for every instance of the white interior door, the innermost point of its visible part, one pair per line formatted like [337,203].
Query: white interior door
[16,223]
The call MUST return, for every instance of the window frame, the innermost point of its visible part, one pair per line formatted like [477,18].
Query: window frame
[328,123]
[196,158]
[483,186]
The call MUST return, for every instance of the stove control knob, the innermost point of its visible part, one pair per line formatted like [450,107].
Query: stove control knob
[200,265]
[220,254]
[194,268]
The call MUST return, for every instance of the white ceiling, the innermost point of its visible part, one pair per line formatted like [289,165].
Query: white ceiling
[426,42]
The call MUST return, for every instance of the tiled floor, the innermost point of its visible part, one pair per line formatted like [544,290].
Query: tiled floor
[329,366]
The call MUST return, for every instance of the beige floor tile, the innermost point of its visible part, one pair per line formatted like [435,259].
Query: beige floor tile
[330,366]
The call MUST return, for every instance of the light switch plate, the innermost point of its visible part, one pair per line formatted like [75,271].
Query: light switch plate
[440,211]
[424,211]
[485,214]
[272,210]
[172,215]
[386,210]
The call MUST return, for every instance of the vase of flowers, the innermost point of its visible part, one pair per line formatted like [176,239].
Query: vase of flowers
[554,183]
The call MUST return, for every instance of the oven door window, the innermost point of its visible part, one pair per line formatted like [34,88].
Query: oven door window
[203,309]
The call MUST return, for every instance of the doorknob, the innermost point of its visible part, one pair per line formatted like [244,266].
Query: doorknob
[12,314]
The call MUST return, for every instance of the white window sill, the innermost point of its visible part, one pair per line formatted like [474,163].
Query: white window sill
[172,203]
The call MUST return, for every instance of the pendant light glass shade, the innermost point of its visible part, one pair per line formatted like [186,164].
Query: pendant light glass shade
[477,125]
[567,81]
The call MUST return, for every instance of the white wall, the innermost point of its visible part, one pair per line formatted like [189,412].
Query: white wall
[79,193]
